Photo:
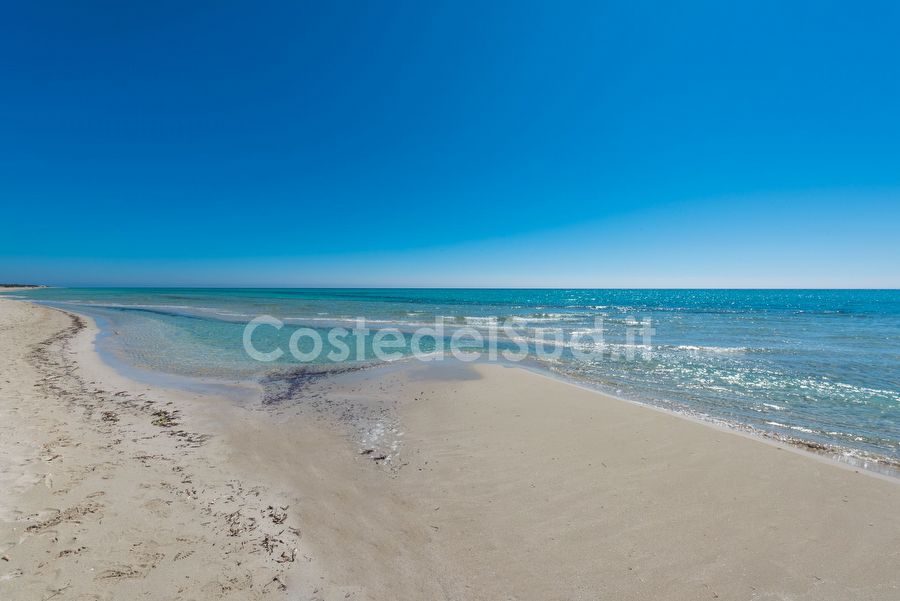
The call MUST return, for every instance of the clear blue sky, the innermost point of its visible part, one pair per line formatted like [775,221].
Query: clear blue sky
[451,143]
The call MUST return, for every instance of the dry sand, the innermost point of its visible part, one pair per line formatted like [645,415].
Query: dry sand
[406,482]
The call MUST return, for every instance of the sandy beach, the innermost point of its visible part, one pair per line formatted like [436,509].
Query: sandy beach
[414,481]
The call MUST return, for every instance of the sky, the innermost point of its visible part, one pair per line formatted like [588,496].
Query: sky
[560,144]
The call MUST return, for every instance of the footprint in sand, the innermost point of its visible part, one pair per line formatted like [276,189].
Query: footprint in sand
[158,507]
[182,555]
[10,575]
[144,563]
[119,572]
[72,514]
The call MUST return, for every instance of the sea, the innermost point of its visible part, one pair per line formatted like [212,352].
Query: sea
[816,367]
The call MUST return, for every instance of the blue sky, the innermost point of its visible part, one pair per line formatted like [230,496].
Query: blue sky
[451,144]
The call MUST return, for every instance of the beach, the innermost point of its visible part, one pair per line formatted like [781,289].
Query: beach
[413,481]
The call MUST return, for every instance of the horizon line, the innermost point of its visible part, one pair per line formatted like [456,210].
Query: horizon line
[356,287]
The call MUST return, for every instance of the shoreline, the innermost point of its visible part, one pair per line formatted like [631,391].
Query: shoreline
[881,465]
[841,413]
[469,481]
[840,456]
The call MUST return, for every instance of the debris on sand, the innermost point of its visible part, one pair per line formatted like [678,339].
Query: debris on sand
[277,517]
[164,419]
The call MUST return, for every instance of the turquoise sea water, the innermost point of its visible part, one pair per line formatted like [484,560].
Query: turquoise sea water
[815,365]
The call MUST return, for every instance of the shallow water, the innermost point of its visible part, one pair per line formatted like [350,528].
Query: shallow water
[816,365]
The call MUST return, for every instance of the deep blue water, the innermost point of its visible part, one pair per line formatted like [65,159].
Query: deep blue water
[819,365]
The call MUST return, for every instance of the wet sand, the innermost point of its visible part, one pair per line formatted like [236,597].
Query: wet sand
[406,482]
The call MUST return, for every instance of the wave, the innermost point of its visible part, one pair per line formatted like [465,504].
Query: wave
[797,428]
[709,349]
